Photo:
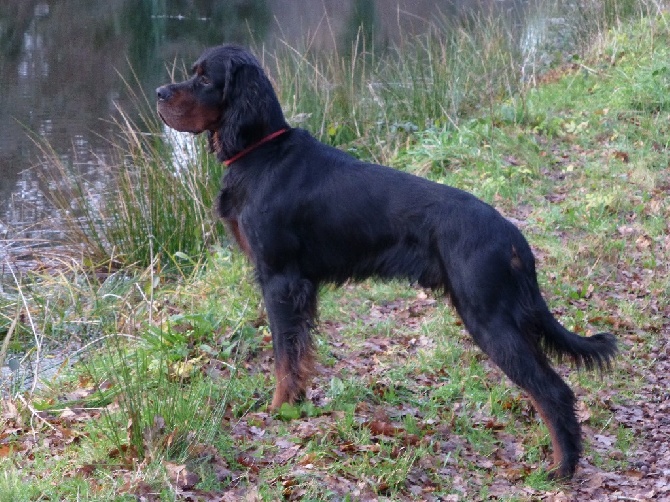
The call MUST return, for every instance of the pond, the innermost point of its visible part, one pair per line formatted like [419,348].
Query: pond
[65,66]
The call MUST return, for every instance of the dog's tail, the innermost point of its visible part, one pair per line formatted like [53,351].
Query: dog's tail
[539,324]
[596,351]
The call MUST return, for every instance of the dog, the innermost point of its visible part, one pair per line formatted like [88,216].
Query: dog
[307,214]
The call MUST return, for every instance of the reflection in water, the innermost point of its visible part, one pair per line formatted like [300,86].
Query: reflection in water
[64,65]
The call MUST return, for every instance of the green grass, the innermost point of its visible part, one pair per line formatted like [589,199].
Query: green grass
[181,369]
[156,210]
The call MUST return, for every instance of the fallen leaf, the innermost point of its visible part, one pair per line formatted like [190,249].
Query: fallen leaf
[180,476]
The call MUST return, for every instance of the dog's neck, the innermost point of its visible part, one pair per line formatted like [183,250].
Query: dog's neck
[252,147]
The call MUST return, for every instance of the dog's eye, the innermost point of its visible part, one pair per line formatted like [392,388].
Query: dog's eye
[204,80]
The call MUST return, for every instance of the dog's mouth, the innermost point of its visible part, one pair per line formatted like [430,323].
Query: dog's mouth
[170,123]
[177,121]
[185,113]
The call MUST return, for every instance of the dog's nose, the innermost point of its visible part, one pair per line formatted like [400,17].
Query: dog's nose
[163,93]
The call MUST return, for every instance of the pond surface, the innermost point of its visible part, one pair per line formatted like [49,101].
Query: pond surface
[64,65]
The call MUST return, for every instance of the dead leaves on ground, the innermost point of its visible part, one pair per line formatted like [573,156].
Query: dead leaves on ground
[312,453]
[23,430]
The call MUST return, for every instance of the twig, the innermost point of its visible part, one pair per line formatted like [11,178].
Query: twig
[590,70]
[34,412]
[92,342]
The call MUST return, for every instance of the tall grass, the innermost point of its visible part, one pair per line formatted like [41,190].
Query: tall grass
[371,101]
[157,206]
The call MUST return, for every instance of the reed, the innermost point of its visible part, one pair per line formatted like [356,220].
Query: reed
[156,206]
[371,101]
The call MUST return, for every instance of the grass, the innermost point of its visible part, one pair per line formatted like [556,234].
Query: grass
[404,406]
[369,100]
[157,209]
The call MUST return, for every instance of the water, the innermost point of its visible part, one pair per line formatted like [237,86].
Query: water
[64,68]
[64,64]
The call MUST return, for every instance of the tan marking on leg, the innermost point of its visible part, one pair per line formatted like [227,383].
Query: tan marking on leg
[292,382]
[557,450]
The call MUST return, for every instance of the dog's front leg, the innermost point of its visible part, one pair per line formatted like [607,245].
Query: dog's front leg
[290,302]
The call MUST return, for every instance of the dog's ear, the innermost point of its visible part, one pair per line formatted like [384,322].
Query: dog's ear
[230,66]
[250,109]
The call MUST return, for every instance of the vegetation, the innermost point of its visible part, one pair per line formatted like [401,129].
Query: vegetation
[168,399]
[159,206]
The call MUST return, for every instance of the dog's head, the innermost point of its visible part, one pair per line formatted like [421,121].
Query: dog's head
[228,95]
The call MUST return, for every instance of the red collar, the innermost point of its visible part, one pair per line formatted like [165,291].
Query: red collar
[248,149]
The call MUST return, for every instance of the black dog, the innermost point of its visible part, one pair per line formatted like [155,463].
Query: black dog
[308,214]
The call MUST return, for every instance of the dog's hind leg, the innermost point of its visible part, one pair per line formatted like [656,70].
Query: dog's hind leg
[527,366]
[290,302]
